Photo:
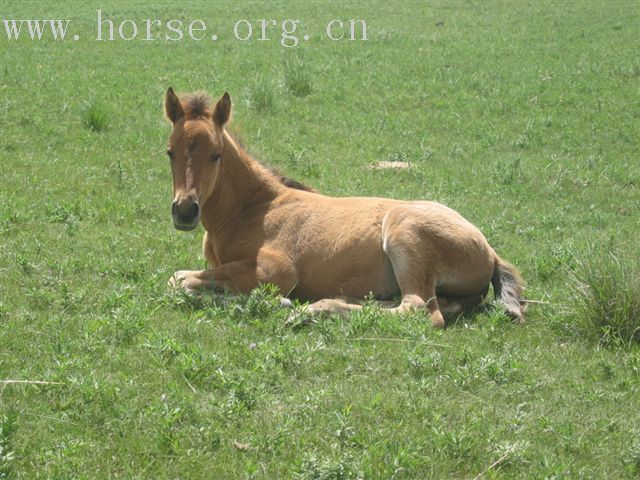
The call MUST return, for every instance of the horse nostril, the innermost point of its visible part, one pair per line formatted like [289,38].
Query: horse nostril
[196,209]
[174,208]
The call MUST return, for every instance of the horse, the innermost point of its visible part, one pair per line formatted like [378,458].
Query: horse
[264,228]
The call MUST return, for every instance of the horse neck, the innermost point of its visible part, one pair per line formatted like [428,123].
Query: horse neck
[241,183]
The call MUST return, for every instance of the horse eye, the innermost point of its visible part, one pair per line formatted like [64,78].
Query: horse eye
[215,157]
[170,154]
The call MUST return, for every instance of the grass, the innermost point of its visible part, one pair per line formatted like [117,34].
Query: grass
[297,77]
[7,429]
[522,117]
[262,96]
[96,117]
[607,299]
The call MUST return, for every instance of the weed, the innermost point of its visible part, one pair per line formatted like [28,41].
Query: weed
[8,427]
[166,348]
[170,418]
[96,117]
[632,458]
[65,212]
[261,302]
[297,77]
[425,362]
[262,96]
[303,161]
[197,366]
[510,171]
[126,325]
[606,299]
[340,467]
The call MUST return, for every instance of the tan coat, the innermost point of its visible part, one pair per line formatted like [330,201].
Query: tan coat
[316,247]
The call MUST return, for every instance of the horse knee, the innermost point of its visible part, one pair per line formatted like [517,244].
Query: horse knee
[277,269]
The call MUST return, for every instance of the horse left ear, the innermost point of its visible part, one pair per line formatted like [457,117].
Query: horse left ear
[222,111]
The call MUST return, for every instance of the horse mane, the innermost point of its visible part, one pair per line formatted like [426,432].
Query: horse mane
[199,104]
[287,181]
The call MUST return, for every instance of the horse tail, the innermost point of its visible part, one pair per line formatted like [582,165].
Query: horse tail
[507,287]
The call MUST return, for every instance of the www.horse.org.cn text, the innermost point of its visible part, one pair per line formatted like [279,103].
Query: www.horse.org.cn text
[289,33]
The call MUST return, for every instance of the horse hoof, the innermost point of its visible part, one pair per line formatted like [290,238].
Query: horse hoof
[177,279]
[179,282]
[437,322]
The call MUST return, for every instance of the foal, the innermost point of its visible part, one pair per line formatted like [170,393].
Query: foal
[313,247]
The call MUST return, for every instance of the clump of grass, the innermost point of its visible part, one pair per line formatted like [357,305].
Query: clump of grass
[509,171]
[297,78]
[261,302]
[607,299]
[343,466]
[96,117]
[8,426]
[262,96]
[632,459]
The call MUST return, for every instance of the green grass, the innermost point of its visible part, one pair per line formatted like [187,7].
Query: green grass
[522,116]
[96,117]
[607,299]
[297,77]
[262,95]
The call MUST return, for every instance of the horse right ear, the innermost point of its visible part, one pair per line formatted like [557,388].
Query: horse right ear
[222,110]
[172,106]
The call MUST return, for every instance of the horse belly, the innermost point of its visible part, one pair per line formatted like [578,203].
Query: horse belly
[336,246]
[349,274]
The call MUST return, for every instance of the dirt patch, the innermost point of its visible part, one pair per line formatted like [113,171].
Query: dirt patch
[386,165]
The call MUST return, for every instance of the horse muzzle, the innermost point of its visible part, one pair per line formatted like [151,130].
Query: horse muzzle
[186,214]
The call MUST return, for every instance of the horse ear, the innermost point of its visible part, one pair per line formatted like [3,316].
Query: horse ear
[223,110]
[172,106]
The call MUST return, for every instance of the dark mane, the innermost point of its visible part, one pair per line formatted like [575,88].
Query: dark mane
[197,104]
[289,182]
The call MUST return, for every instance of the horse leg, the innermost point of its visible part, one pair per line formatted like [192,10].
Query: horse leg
[209,251]
[196,282]
[342,307]
[417,286]
[223,278]
[324,307]
[437,307]
[416,301]
[333,306]
[240,276]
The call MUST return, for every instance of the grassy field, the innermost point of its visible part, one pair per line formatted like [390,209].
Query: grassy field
[521,115]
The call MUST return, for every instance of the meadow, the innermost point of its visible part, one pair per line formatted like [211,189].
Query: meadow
[523,116]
